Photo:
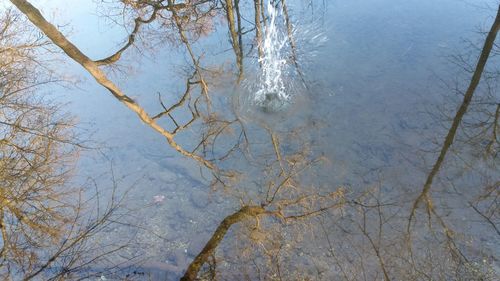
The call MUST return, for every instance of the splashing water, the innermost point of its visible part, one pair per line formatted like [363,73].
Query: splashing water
[279,80]
[272,92]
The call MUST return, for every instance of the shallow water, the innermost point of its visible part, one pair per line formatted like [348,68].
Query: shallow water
[370,106]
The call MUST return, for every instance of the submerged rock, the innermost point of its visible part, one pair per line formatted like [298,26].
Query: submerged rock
[199,198]
[271,103]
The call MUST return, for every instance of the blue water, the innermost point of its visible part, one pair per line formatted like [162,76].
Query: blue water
[370,106]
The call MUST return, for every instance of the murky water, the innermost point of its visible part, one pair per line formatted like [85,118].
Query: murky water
[374,102]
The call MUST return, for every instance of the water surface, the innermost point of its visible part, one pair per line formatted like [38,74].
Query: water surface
[376,106]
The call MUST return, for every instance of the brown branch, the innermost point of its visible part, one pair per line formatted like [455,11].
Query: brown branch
[375,247]
[263,13]
[485,217]
[5,236]
[234,35]
[494,138]
[289,30]
[291,40]
[240,38]
[137,24]
[245,212]
[185,41]
[220,232]
[476,78]
[258,29]
[183,99]
[92,67]
[131,39]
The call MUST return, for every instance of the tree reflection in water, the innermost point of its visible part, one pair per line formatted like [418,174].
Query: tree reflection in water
[292,224]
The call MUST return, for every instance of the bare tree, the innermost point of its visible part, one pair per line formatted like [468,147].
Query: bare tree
[34,156]
[485,53]
[45,226]
[364,230]
[93,68]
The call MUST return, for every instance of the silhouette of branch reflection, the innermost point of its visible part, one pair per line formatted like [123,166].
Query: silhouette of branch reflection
[286,200]
[488,45]
[283,203]
[93,68]
[471,132]
[46,227]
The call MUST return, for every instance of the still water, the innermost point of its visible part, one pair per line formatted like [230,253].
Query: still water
[367,115]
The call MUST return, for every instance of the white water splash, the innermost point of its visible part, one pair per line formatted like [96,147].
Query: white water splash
[272,90]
